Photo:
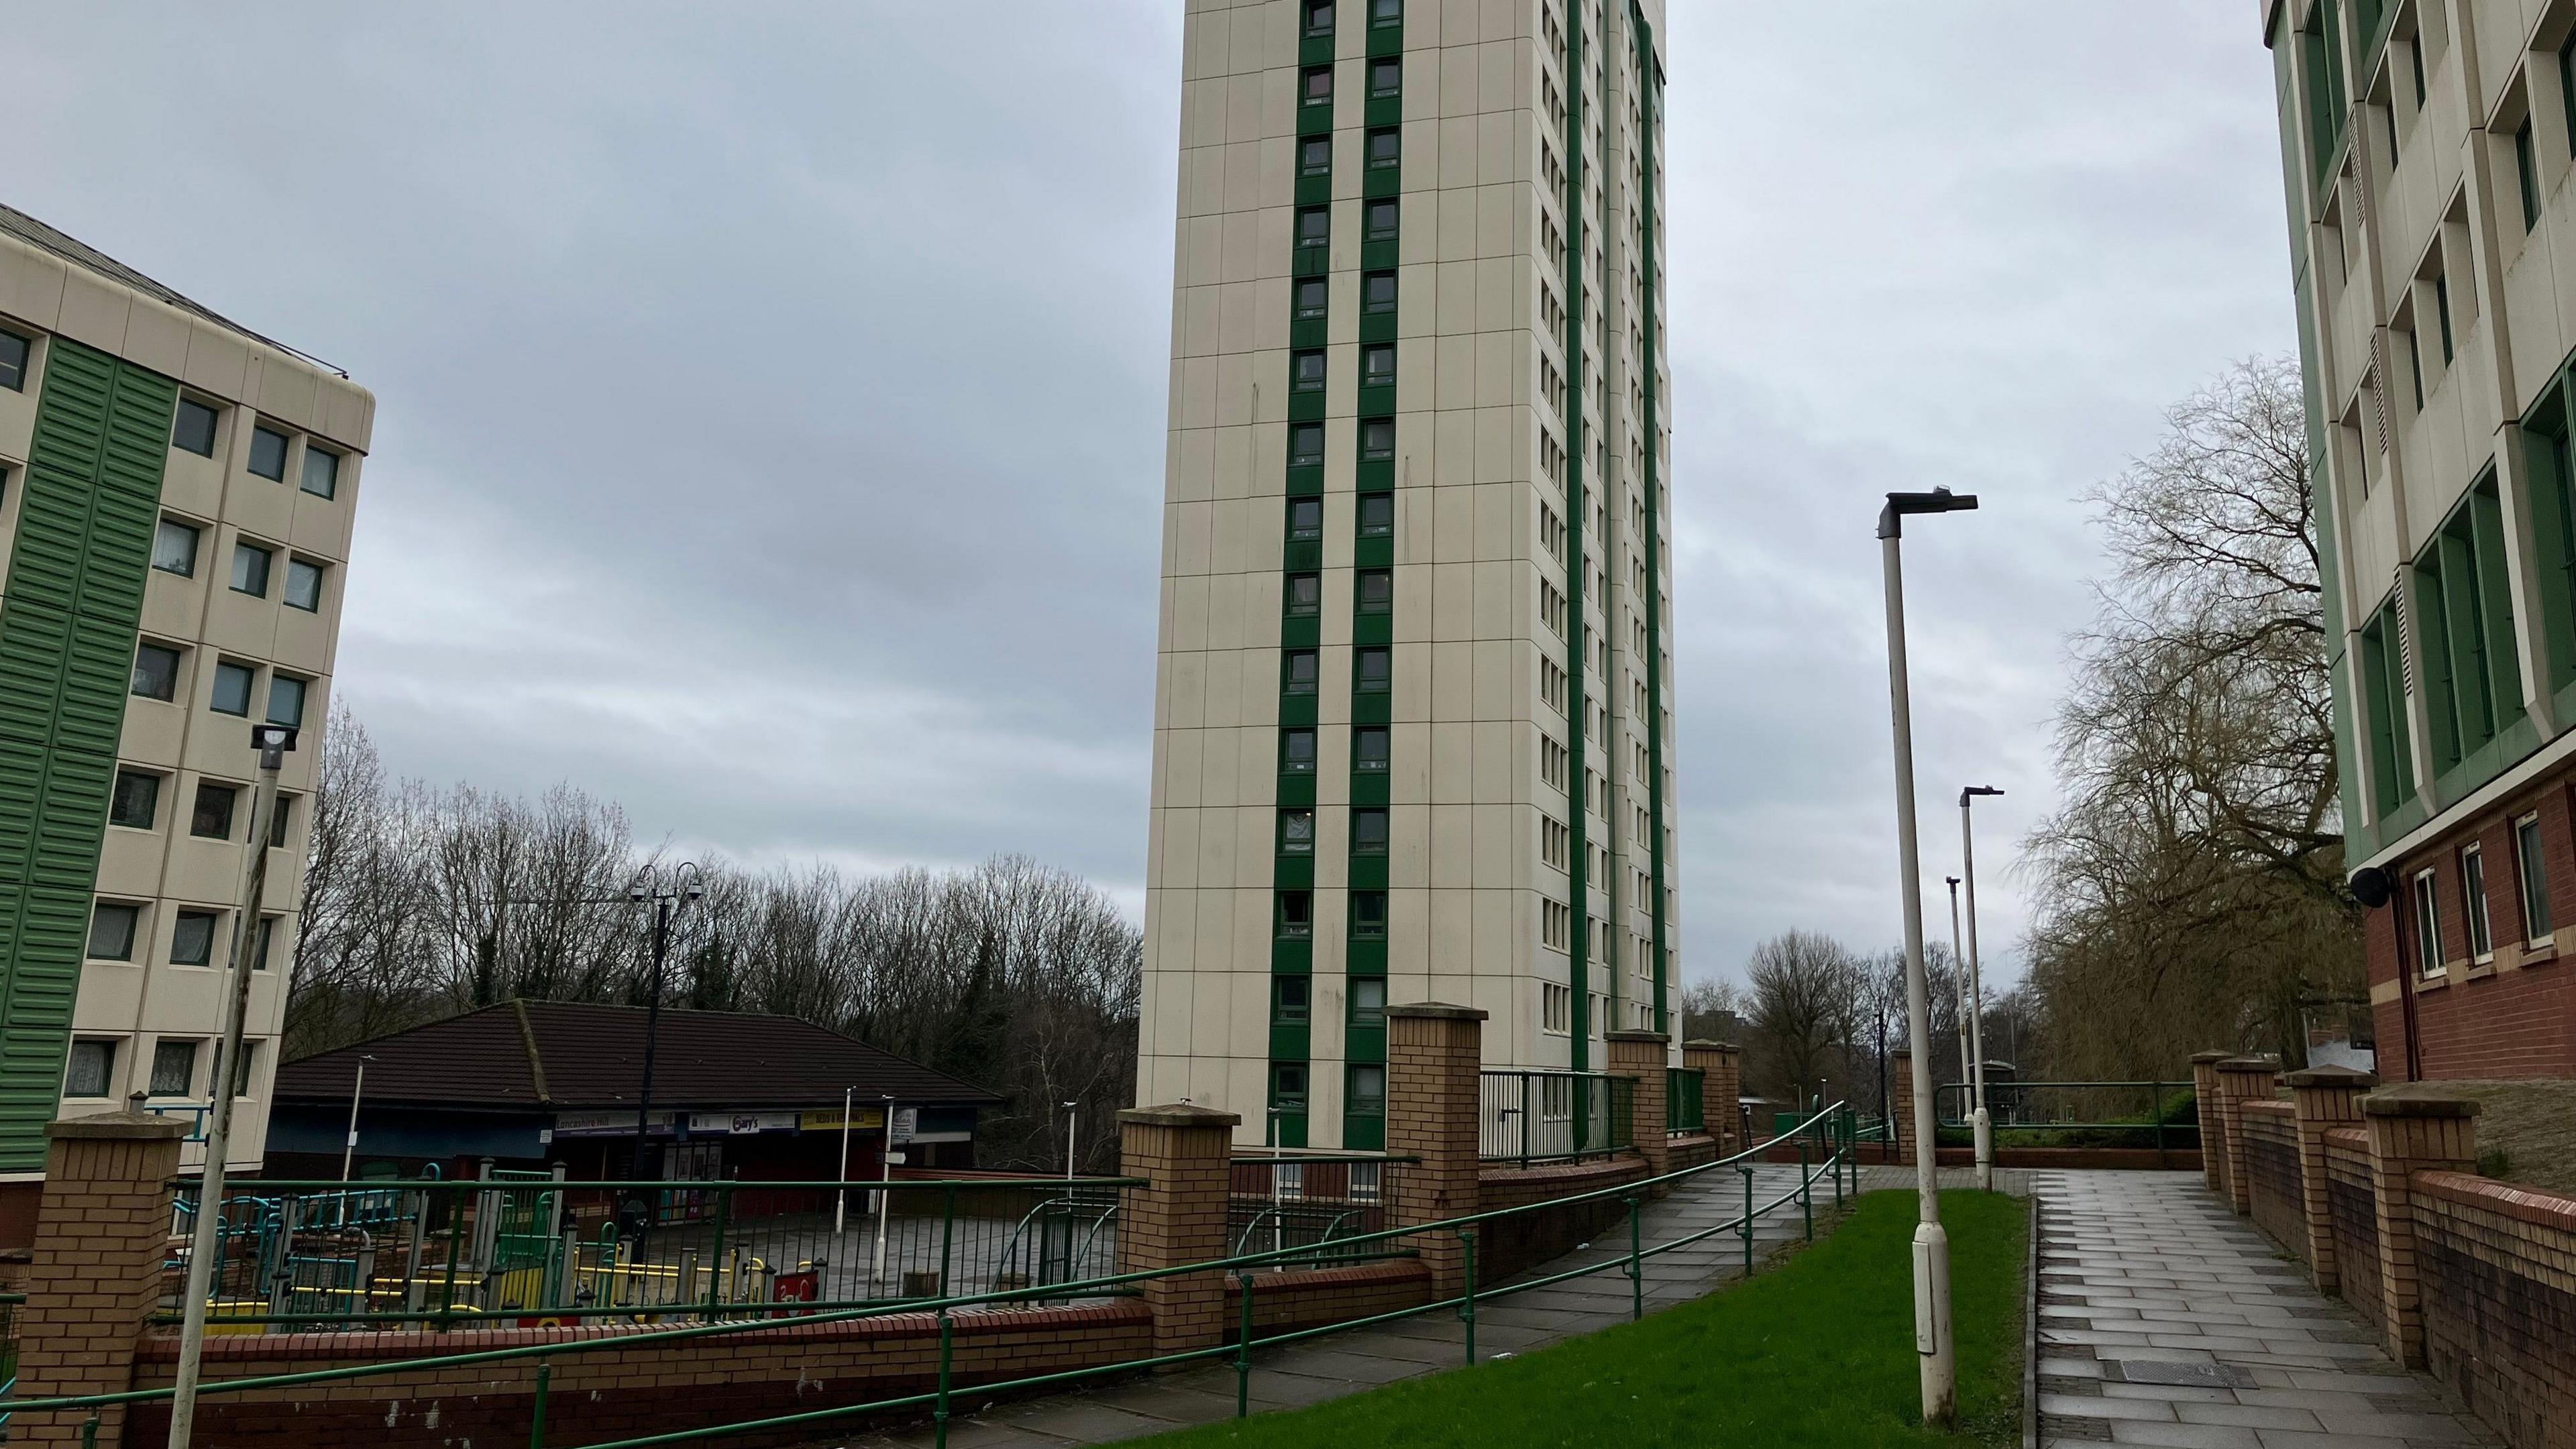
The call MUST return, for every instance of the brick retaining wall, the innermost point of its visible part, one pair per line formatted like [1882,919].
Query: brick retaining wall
[2498,1265]
[1285,1302]
[2356,1228]
[2273,1176]
[1513,1244]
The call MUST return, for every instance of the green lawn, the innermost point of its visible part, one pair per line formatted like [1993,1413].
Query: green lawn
[1819,1350]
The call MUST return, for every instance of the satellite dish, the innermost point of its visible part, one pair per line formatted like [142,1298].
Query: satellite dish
[2370,886]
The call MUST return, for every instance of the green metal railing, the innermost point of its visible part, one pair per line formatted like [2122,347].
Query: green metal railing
[1824,1144]
[2076,1114]
[1683,1110]
[1527,1117]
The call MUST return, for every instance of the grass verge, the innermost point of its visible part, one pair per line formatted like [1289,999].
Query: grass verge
[1818,1351]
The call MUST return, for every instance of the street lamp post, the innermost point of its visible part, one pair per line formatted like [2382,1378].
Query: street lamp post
[1959,964]
[666,893]
[1932,1346]
[1976,1024]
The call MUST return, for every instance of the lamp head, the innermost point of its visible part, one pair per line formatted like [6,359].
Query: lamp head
[1939,500]
[1973,791]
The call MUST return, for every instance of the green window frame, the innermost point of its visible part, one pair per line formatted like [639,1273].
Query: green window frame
[1368,915]
[2383,713]
[1292,1000]
[1377,365]
[1297,830]
[1377,440]
[1370,745]
[1297,752]
[1377,293]
[1298,671]
[2464,634]
[1315,86]
[1385,148]
[1305,445]
[1305,520]
[1386,12]
[1288,1087]
[2473,902]
[2526,167]
[2531,870]
[1367,1089]
[1382,221]
[1314,226]
[1368,1002]
[1373,591]
[1312,301]
[1373,670]
[1296,915]
[1368,831]
[1305,595]
[1386,78]
[1377,515]
[1315,156]
[1319,15]
[1306,370]
[2552,484]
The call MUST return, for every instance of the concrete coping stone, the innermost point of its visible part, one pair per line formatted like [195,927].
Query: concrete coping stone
[129,1126]
[2202,1059]
[2332,1077]
[1704,1044]
[2247,1065]
[1656,1037]
[2415,1099]
[1439,1011]
[1180,1114]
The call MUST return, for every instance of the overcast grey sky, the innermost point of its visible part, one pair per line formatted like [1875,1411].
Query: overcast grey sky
[772,398]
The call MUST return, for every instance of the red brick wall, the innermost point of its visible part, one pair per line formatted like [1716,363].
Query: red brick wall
[1284,1302]
[2356,1226]
[2498,1265]
[1691,1151]
[1515,1243]
[2272,1174]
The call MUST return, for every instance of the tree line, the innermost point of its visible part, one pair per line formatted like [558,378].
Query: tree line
[421,902]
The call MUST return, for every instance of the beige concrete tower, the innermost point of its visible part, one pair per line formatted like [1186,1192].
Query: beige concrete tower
[1413,706]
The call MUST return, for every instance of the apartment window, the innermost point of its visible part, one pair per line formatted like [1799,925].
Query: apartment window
[1305,595]
[1385,148]
[1368,832]
[1386,78]
[192,939]
[286,700]
[264,938]
[1368,915]
[1368,999]
[1315,85]
[1315,226]
[2383,713]
[1556,1009]
[1313,298]
[174,1068]
[268,453]
[174,548]
[2473,901]
[2566,82]
[2428,926]
[1298,668]
[1386,12]
[2527,170]
[1373,670]
[156,671]
[1288,1087]
[1553,842]
[2534,871]
[1376,589]
[279,821]
[1291,1000]
[136,801]
[1377,515]
[1306,445]
[1369,749]
[1377,440]
[232,689]
[1306,371]
[1315,156]
[250,568]
[1377,292]
[2442,310]
[244,1070]
[1305,520]
[303,585]
[1297,832]
[1319,17]
[321,472]
[111,930]
[213,816]
[194,428]
[1367,1088]
[1377,366]
[1555,925]
[1380,221]
[1296,914]
[89,1069]
[13,361]
[2465,662]
[1297,752]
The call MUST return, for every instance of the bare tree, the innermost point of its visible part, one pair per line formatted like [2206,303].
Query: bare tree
[1805,1002]
[1712,1010]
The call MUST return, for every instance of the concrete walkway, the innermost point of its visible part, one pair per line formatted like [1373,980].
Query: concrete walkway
[2167,1319]
[1365,1358]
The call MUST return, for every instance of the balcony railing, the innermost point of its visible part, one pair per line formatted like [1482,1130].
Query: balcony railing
[1531,1117]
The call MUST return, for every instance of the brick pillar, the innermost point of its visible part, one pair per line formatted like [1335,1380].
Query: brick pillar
[1641,1057]
[1900,1103]
[2239,1078]
[1715,1063]
[2213,1129]
[1184,1153]
[2326,1097]
[102,1229]
[1433,1054]
[2409,1133]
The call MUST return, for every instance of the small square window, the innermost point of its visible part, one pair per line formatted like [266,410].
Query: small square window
[1381,221]
[1315,226]
[1368,999]
[1291,1000]
[137,800]
[174,548]
[1305,520]
[1297,832]
[1305,595]
[268,453]
[1368,832]
[1369,749]
[1315,156]
[174,1068]
[1386,12]
[156,671]
[193,430]
[1313,298]
[1386,78]
[2535,879]
[232,689]
[1377,366]
[1288,1086]
[13,361]
[1373,670]
[1376,589]
[303,585]
[1377,515]
[213,817]
[321,476]
[192,940]
[1319,17]
[1368,915]
[1306,445]
[1296,914]
[1377,292]
[286,700]
[1298,672]
[250,568]
[88,1071]
[1385,148]
[267,938]
[1297,752]
[2473,896]
[111,930]
[1306,371]
[1377,440]
[1315,85]
[1368,1090]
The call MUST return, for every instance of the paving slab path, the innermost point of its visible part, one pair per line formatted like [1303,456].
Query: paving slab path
[2166,1319]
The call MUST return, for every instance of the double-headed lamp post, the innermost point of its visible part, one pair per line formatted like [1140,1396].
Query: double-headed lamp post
[665,893]
[1932,1346]
[1976,1023]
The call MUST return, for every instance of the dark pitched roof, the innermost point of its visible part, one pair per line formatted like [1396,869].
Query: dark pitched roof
[563,1054]
[80,253]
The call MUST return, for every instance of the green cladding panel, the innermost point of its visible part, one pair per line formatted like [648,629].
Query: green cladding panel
[67,626]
